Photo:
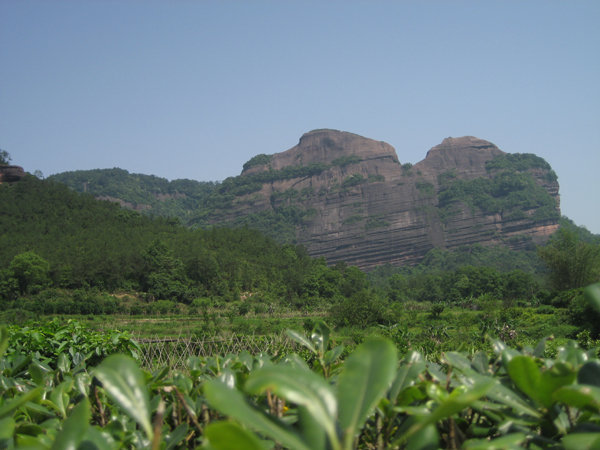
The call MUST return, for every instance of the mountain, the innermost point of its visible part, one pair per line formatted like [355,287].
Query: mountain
[349,198]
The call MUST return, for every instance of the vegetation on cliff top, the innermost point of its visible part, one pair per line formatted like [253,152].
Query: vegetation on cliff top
[511,190]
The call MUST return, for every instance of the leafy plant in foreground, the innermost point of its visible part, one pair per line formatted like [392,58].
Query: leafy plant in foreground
[511,399]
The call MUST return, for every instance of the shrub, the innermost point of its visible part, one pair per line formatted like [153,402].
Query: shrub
[362,309]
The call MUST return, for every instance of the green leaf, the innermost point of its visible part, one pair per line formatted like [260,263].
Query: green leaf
[365,378]
[539,385]
[511,441]
[540,348]
[302,340]
[7,428]
[332,355]
[312,431]
[589,373]
[592,294]
[9,407]
[579,396]
[301,387]
[526,375]
[96,439]
[582,441]
[406,375]
[232,403]
[82,383]
[502,394]
[572,354]
[459,399]
[427,438]
[74,428]
[125,383]
[64,363]
[320,336]
[231,436]
[37,372]
[559,375]
[60,397]
[458,361]
[176,436]
[481,363]
[3,340]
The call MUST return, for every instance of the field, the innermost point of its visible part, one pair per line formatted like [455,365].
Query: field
[63,386]
[418,326]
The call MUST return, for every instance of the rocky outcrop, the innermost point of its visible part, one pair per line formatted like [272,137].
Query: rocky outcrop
[10,174]
[359,204]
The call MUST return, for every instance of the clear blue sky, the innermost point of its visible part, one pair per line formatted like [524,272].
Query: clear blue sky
[193,89]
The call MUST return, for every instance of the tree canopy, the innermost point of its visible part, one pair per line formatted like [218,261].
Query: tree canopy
[4,157]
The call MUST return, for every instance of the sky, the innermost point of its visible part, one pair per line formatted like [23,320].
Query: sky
[194,89]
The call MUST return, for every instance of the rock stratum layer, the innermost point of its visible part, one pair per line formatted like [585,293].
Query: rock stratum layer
[353,201]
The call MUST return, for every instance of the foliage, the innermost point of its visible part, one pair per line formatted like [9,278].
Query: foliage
[148,193]
[572,263]
[4,157]
[583,234]
[520,162]
[258,160]
[30,271]
[407,169]
[513,398]
[347,160]
[362,309]
[454,286]
[582,311]
[89,244]
[50,340]
[425,188]
[509,193]
[353,180]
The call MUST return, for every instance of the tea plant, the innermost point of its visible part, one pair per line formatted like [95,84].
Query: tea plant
[371,399]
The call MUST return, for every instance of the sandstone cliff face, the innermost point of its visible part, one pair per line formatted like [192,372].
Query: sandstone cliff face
[9,174]
[362,206]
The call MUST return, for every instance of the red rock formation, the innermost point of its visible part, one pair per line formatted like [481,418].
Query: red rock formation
[367,209]
[10,174]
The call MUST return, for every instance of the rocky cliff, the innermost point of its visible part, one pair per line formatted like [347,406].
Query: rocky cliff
[10,174]
[352,200]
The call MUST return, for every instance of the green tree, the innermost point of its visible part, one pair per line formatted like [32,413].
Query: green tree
[572,263]
[31,272]
[362,309]
[165,275]
[4,157]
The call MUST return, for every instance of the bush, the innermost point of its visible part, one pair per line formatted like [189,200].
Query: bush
[162,307]
[436,310]
[582,314]
[362,309]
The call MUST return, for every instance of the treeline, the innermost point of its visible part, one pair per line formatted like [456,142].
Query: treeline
[54,238]
[151,194]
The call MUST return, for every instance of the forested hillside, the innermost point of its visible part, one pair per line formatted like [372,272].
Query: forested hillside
[54,237]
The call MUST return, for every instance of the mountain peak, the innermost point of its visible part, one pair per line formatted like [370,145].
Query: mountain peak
[466,154]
